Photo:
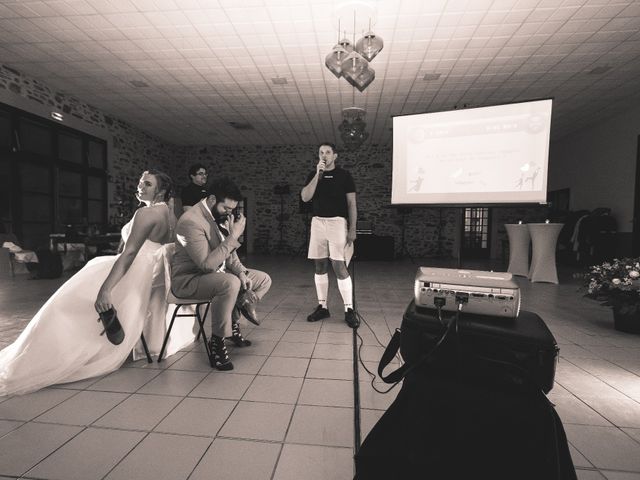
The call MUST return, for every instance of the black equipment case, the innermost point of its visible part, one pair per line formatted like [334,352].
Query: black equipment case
[472,408]
[520,351]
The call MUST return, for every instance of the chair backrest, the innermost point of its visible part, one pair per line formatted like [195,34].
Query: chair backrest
[168,250]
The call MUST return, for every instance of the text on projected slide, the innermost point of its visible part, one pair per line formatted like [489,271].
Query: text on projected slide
[489,156]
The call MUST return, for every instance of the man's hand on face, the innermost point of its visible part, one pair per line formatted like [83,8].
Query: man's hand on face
[236,227]
[321,166]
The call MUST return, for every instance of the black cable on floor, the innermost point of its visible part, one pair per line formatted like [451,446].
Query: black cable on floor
[356,392]
[356,373]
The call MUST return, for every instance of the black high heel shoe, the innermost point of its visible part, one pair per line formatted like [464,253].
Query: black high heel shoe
[112,326]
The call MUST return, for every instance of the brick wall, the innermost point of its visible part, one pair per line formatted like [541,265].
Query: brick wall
[256,169]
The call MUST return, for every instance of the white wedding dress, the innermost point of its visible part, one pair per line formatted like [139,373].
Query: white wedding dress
[62,343]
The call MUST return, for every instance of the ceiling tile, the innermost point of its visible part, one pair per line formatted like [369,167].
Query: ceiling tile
[215,59]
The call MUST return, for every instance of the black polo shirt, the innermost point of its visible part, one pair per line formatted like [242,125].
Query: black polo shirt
[330,197]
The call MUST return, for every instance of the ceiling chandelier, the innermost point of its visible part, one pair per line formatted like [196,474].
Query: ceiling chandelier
[351,59]
[352,128]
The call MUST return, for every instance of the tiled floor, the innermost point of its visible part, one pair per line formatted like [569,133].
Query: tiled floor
[286,410]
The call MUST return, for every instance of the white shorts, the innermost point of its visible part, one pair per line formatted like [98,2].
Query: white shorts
[328,238]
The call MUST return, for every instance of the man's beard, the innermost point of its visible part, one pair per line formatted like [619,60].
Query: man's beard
[220,218]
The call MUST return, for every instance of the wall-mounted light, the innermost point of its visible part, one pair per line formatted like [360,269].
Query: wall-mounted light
[57,116]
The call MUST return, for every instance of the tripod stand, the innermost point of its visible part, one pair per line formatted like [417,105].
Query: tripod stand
[281,190]
[302,249]
[404,211]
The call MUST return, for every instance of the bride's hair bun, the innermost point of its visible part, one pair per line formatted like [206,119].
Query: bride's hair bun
[164,182]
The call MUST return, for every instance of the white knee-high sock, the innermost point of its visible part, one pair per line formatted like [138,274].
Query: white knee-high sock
[346,290]
[322,288]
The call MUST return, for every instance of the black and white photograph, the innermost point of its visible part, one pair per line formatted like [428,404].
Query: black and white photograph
[320,239]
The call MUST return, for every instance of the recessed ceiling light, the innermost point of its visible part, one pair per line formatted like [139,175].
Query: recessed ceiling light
[241,125]
[279,81]
[431,76]
[600,70]
[57,116]
[139,83]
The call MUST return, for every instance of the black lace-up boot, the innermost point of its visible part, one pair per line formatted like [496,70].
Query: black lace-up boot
[237,338]
[219,355]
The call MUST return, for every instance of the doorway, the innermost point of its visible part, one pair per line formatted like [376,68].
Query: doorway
[476,224]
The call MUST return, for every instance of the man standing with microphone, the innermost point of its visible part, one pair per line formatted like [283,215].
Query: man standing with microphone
[333,229]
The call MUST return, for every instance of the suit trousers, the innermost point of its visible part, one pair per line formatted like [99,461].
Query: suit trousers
[223,289]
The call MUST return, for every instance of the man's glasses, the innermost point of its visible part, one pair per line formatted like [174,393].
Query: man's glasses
[203,174]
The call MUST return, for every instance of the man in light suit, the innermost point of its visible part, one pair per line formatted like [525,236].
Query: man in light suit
[205,265]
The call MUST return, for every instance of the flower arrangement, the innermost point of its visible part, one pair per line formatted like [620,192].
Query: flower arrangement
[616,284]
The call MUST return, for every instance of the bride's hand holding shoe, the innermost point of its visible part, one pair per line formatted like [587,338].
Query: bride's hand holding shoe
[103,302]
[109,317]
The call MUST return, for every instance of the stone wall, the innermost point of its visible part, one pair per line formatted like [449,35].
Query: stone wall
[130,149]
[257,169]
[428,231]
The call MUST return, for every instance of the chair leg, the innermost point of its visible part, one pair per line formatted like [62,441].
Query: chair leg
[204,335]
[146,349]
[197,310]
[166,336]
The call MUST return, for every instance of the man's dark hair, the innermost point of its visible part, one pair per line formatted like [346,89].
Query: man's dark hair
[224,187]
[328,144]
[193,169]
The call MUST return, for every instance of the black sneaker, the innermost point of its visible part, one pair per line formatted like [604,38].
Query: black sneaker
[318,314]
[237,338]
[219,356]
[351,318]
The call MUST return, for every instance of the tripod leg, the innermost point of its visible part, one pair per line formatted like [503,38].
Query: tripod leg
[403,247]
[302,249]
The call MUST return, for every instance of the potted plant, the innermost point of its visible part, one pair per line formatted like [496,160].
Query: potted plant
[617,284]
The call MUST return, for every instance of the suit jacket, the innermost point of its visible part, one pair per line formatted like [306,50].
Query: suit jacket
[199,250]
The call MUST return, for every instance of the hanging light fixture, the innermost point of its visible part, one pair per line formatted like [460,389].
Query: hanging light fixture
[333,61]
[346,44]
[350,63]
[370,45]
[352,129]
[354,64]
[361,80]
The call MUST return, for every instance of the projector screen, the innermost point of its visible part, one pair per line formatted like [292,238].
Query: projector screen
[486,155]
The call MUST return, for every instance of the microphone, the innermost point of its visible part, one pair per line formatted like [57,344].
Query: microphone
[320,173]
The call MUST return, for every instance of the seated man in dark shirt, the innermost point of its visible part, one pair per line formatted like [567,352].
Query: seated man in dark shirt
[197,189]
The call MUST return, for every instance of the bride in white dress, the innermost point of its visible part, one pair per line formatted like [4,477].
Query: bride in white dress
[62,343]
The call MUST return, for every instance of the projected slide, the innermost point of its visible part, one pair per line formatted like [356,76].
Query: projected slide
[485,155]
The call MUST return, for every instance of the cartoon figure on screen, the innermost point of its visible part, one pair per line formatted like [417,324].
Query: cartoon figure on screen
[417,183]
[528,175]
[532,177]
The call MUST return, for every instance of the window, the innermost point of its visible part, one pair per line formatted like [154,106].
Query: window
[5,131]
[35,138]
[97,200]
[97,155]
[56,177]
[475,239]
[70,148]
